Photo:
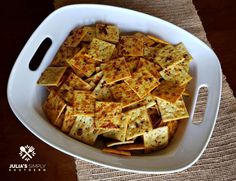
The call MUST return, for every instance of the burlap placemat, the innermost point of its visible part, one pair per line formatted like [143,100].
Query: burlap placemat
[218,162]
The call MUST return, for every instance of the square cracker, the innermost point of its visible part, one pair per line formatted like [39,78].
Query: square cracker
[156,139]
[115,70]
[62,55]
[182,49]
[138,122]
[146,41]
[176,74]
[75,37]
[130,46]
[168,91]
[168,56]
[84,64]
[90,33]
[69,119]
[153,68]
[101,50]
[108,33]
[53,107]
[170,112]
[124,94]
[118,134]
[83,130]
[102,91]
[51,76]
[142,82]
[108,115]
[73,82]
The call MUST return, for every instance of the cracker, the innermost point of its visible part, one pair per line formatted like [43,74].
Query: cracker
[150,52]
[146,41]
[83,130]
[73,82]
[153,68]
[170,112]
[124,94]
[115,143]
[51,76]
[100,50]
[90,33]
[168,56]
[69,119]
[168,91]
[176,74]
[62,55]
[182,49]
[138,122]
[95,78]
[172,127]
[142,82]
[83,63]
[75,37]
[102,91]
[130,46]
[158,40]
[108,115]
[83,102]
[108,33]
[131,147]
[132,65]
[156,139]
[115,70]
[115,53]
[118,134]
[53,107]
[117,152]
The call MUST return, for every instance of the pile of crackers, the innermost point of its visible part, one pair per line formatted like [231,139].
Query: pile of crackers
[126,89]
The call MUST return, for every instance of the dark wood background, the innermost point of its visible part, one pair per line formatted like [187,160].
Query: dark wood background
[20,18]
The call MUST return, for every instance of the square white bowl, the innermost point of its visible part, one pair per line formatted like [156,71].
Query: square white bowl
[25,97]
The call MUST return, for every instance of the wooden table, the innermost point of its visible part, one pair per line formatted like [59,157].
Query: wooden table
[21,18]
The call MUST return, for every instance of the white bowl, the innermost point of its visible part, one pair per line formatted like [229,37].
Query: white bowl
[25,97]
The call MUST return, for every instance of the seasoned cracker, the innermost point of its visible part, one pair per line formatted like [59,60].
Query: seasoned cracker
[156,139]
[108,115]
[83,130]
[90,33]
[51,76]
[138,122]
[121,133]
[170,112]
[118,152]
[53,107]
[115,70]
[158,40]
[84,64]
[176,74]
[153,68]
[69,119]
[108,33]
[124,94]
[168,91]
[130,46]
[146,41]
[102,91]
[100,50]
[172,127]
[75,37]
[182,49]
[115,143]
[64,54]
[168,56]
[142,82]
[131,147]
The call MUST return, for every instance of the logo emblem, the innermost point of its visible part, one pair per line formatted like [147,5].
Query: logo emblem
[27,152]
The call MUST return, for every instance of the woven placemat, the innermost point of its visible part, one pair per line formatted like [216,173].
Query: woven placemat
[218,162]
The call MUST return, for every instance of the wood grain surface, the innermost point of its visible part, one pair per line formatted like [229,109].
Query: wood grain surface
[20,18]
